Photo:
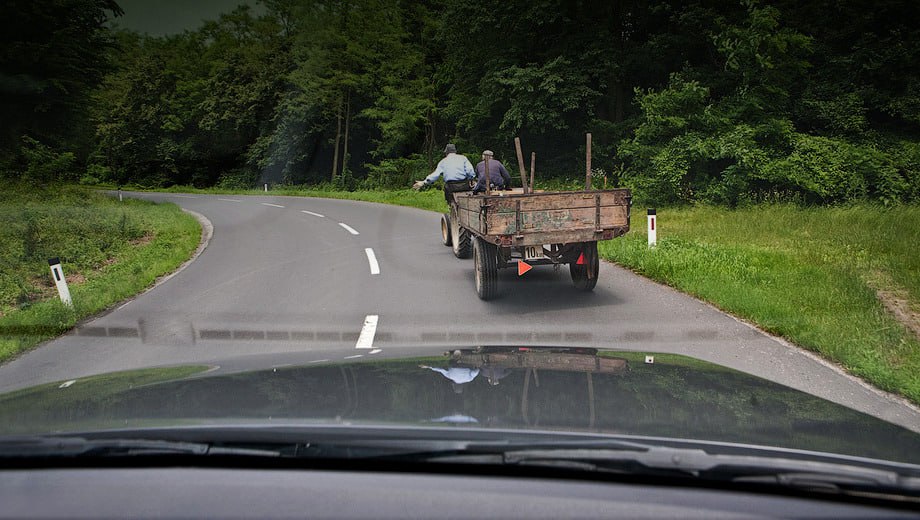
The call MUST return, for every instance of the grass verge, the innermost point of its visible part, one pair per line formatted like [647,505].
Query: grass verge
[431,199]
[811,275]
[109,251]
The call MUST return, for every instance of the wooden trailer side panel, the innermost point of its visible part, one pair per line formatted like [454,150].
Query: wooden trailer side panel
[545,217]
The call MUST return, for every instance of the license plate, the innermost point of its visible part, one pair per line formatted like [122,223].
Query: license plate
[533,253]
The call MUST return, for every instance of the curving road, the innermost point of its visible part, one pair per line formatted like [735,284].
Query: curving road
[309,280]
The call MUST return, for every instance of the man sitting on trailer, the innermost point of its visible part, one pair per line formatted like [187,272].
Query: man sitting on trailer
[457,171]
[499,182]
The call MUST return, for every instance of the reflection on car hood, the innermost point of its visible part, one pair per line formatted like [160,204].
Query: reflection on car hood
[555,389]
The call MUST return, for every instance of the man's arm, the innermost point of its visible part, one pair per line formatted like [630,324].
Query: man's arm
[505,176]
[428,181]
[480,184]
[468,168]
[433,176]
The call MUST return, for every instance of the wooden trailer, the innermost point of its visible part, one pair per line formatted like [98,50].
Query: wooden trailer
[505,228]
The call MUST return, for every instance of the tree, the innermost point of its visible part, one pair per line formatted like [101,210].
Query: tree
[52,54]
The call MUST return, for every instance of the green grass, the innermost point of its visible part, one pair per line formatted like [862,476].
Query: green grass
[109,251]
[431,199]
[808,275]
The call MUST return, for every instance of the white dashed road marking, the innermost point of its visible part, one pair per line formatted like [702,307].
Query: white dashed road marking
[314,214]
[190,196]
[348,228]
[353,357]
[234,200]
[368,331]
[372,260]
[272,205]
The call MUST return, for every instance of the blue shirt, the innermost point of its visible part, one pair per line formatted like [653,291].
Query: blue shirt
[454,167]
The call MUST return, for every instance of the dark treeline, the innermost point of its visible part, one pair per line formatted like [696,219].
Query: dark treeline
[722,102]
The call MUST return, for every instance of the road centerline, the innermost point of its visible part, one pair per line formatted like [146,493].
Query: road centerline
[311,213]
[368,331]
[270,204]
[372,260]
[349,228]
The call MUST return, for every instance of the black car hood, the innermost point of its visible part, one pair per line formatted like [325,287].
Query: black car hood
[545,389]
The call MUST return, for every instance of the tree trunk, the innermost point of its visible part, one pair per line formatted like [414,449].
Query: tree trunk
[429,140]
[338,135]
[345,145]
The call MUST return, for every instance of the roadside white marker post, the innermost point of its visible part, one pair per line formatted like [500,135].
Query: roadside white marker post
[649,360]
[58,274]
[652,228]
[119,195]
[266,187]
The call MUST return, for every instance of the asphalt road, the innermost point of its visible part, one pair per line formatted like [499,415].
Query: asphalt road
[308,280]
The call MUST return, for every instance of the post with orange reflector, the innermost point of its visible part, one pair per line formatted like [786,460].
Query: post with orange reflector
[652,228]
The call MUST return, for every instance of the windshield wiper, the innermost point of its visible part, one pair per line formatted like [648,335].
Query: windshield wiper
[813,472]
[816,475]
[49,446]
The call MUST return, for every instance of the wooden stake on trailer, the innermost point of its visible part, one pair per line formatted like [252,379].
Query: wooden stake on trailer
[588,163]
[487,175]
[520,158]
[533,160]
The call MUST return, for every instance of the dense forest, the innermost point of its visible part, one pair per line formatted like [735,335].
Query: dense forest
[688,101]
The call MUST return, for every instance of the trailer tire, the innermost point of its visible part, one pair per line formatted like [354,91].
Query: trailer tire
[485,256]
[460,239]
[445,230]
[585,276]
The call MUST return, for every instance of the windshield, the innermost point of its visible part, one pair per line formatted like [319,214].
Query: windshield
[677,221]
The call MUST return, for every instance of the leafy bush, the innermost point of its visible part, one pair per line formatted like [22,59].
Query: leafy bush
[906,158]
[395,173]
[44,164]
[826,170]
[96,174]
[238,179]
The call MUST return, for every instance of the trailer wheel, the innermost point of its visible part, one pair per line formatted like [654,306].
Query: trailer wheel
[485,256]
[460,239]
[585,276]
[445,230]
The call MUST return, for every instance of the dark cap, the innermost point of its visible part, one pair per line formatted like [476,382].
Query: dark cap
[450,148]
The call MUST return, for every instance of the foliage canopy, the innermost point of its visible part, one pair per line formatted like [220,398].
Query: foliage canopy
[724,102]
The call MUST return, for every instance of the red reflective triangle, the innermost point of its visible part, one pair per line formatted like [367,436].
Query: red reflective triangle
[581,259]
[523,267]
